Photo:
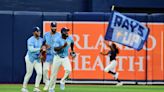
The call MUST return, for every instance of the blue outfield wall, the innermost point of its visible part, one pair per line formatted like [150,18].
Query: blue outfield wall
[78,5]
[16,28]
[6,38]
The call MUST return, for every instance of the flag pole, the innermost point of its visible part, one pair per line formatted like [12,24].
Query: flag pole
[113,6]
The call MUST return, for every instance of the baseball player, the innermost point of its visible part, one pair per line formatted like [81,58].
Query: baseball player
[61,47]
[49,39]
[113,63]
[32,60]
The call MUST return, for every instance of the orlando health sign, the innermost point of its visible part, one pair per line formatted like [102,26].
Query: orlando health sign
[131,63]
[126,31]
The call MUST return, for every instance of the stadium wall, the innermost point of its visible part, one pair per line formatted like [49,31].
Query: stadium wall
[88,29]
[81,5]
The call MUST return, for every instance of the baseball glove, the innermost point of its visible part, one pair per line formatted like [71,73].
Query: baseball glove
[43,53]
[73,54]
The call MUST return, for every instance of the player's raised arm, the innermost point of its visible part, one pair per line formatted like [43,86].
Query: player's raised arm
[104,53]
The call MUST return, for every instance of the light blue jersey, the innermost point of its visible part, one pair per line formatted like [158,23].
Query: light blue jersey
[50,40]
[34,46]
[60,42]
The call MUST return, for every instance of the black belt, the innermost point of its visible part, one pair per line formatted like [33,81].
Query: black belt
[61,56]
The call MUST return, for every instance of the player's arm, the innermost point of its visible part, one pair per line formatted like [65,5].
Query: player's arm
[45,45]
[72,53]
[44,42]
[61,47]
[107,44]
[32,49]
[31,46]
[104,53]
[72,46]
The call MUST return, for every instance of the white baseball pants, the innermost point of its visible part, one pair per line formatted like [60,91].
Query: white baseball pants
[111,66]
[46,69]
[57,62]
[29,70]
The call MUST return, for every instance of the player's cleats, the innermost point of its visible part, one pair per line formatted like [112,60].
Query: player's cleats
[51,90]
[116,76]
[24,90]
[46,86]
[36,90]
[119,84]
[62,85]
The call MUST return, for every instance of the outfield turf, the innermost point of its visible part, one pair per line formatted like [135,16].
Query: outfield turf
[89,88]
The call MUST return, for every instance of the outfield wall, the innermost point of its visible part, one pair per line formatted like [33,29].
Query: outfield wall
[80,5]
[88,30]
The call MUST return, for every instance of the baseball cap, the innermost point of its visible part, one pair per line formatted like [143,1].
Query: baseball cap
[53,24]
[36,29]
[64,29]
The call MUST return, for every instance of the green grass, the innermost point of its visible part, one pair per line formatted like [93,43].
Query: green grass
[89,88]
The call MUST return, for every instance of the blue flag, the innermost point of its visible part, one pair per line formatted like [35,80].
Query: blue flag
[126,31]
